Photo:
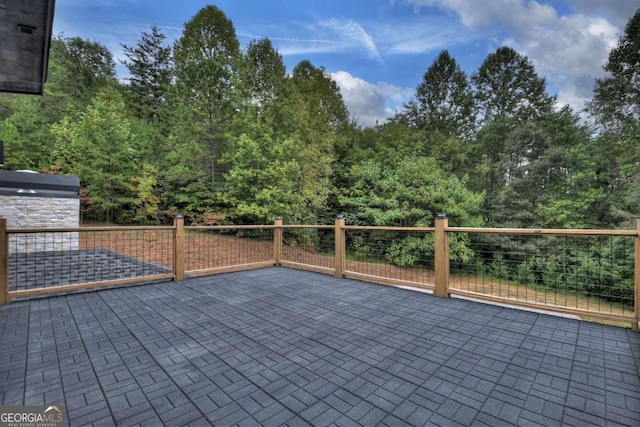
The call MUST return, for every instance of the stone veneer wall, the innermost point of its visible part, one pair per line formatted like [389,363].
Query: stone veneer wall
[41,212]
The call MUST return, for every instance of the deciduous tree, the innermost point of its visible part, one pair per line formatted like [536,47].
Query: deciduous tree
[444,102]
[317,116]
[96,145]
[507,85]
[206,64]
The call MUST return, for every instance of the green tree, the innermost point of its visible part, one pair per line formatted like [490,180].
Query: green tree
[615,111]
[443,102]
[150,68]
[186,181]
[26,133]
[317,116]
[321,95]
[548,179]
[507,85]
[96,146]
[510,98]
[146,197]
[206,59]
[27,119]
[616,100]
[395,140]
[265,80]
[87,68]
[409,193]
[262,180]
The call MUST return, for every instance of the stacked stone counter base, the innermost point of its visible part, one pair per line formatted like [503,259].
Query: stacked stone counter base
[33,200]
[40,212]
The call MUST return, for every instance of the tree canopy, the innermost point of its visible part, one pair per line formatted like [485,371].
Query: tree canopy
[221,133]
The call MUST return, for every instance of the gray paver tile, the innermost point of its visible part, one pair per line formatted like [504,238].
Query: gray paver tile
[103,414]
[536,418]
[509,413]
[327,417]
[294,404]
[345,421]
[181,415]
[465,415]
[278,347]
[198,422]
[357,412]
[315,410]
[339,404]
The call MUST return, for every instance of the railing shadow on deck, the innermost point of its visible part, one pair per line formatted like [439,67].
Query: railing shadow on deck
[587,273]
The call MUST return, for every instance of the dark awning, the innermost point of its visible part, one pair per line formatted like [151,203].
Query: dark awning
[25,37]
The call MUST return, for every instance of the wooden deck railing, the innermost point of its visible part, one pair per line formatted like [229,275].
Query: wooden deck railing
[586,273]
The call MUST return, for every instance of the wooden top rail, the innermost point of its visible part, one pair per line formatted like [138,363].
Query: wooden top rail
[77,229]
[521,231]
[228,227]
[548,232]
[382,228]
[320,227]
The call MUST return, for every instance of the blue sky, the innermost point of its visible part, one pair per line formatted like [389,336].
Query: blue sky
[378,50]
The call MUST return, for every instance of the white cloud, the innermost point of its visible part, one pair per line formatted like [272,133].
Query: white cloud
[568,50]
[420,38]
[320,37]
[367,102]
[378,39]
[306,47]
[571,94]
[352,33]
[617,12]
[417,34]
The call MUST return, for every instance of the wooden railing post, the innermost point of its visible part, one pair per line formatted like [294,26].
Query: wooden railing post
[178,248]
[340,246]
[441,248]
[636,323]
[277,240]
[4,262]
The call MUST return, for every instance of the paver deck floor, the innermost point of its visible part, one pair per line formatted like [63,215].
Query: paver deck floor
[41,269]
[279,346]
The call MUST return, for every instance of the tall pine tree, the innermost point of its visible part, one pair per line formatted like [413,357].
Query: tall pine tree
[150,68]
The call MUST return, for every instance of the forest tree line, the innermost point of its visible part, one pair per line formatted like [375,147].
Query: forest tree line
[221,134]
